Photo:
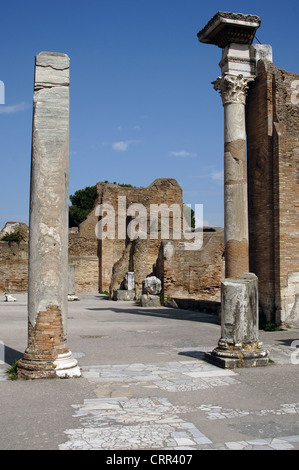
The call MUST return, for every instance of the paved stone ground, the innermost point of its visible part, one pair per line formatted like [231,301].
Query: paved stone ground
[145,385]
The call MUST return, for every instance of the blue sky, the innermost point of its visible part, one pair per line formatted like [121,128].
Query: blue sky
[142,103]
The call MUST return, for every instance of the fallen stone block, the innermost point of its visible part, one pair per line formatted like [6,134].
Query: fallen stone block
[149,300]
[123,295]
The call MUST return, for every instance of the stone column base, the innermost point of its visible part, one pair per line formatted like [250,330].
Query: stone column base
[237,356]
[35,367]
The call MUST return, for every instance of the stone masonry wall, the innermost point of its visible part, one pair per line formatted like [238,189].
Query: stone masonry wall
[118,256]
[13,267]
[273,188]
[193,274]
[100,265]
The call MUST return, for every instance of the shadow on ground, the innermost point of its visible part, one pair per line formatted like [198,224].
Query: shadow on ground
[163,312]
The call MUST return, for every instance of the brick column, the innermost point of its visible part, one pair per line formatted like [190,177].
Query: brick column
[47,354]
[233,90]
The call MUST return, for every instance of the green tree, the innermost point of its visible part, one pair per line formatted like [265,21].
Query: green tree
[82,204]
[12,237]
[187,214]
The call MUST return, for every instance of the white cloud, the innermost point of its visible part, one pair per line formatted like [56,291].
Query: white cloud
[217,175]
[120,146]
[182,153]
[123,145]
[14,108]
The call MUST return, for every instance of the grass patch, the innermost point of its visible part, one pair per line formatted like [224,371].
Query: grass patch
[12,371]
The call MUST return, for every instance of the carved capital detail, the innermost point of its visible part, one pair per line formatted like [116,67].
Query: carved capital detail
[233,89]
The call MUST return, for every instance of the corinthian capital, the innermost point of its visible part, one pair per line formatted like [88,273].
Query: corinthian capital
[233,88]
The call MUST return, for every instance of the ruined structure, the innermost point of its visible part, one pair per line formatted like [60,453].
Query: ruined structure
[239,345]
[272,127]
[47,354]
[109,260]
[192,274]
[101,265]
[14,257]
[260,238]
[273,186]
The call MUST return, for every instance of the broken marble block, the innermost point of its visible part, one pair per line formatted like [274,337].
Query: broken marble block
[151,285]
[129,281]
[9,298]
[123,295]
[149,300]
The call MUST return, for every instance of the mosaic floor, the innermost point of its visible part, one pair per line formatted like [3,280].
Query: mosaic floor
[127,423]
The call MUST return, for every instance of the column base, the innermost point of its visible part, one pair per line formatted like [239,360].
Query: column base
[238,356]
[35,367]
[67,366]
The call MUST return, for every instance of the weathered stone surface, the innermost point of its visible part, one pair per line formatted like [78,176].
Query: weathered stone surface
[122,255]
[124,295]
[149,300]
[227,27]
[170,303]
[15,227]
[239,345]
[152,285]
[71,279]
[129,281]
[273,153]
[239,298]
[193,274]
[233,89]
[10,298]
[48,241]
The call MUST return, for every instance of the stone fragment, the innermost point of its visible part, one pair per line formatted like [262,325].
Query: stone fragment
[9,298]
[129,281]
[170,303]
[149,300]
[151,285]
[123,295]
[239,345]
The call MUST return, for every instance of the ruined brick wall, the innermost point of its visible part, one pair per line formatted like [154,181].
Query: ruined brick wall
[118,256]
[273,189]
[83,253]
[100,265]
[193,274]
[13,267]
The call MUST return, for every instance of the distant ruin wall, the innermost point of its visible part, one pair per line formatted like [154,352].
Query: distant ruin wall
[83,253]
[100,265]
[193,274]
[273,187]
[117,256]
[13,267]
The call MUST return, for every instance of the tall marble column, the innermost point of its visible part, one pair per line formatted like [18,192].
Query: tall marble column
[239,345]
[233,90]
[47,354]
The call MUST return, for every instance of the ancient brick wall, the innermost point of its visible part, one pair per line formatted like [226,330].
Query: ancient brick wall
[13,267]
[83,253]
[273,189]
[193,274]
[117,256]
[100,265]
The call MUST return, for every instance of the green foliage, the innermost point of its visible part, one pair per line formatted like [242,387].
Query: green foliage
[187,210]
[12,237]
[82,203]
[11,372]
